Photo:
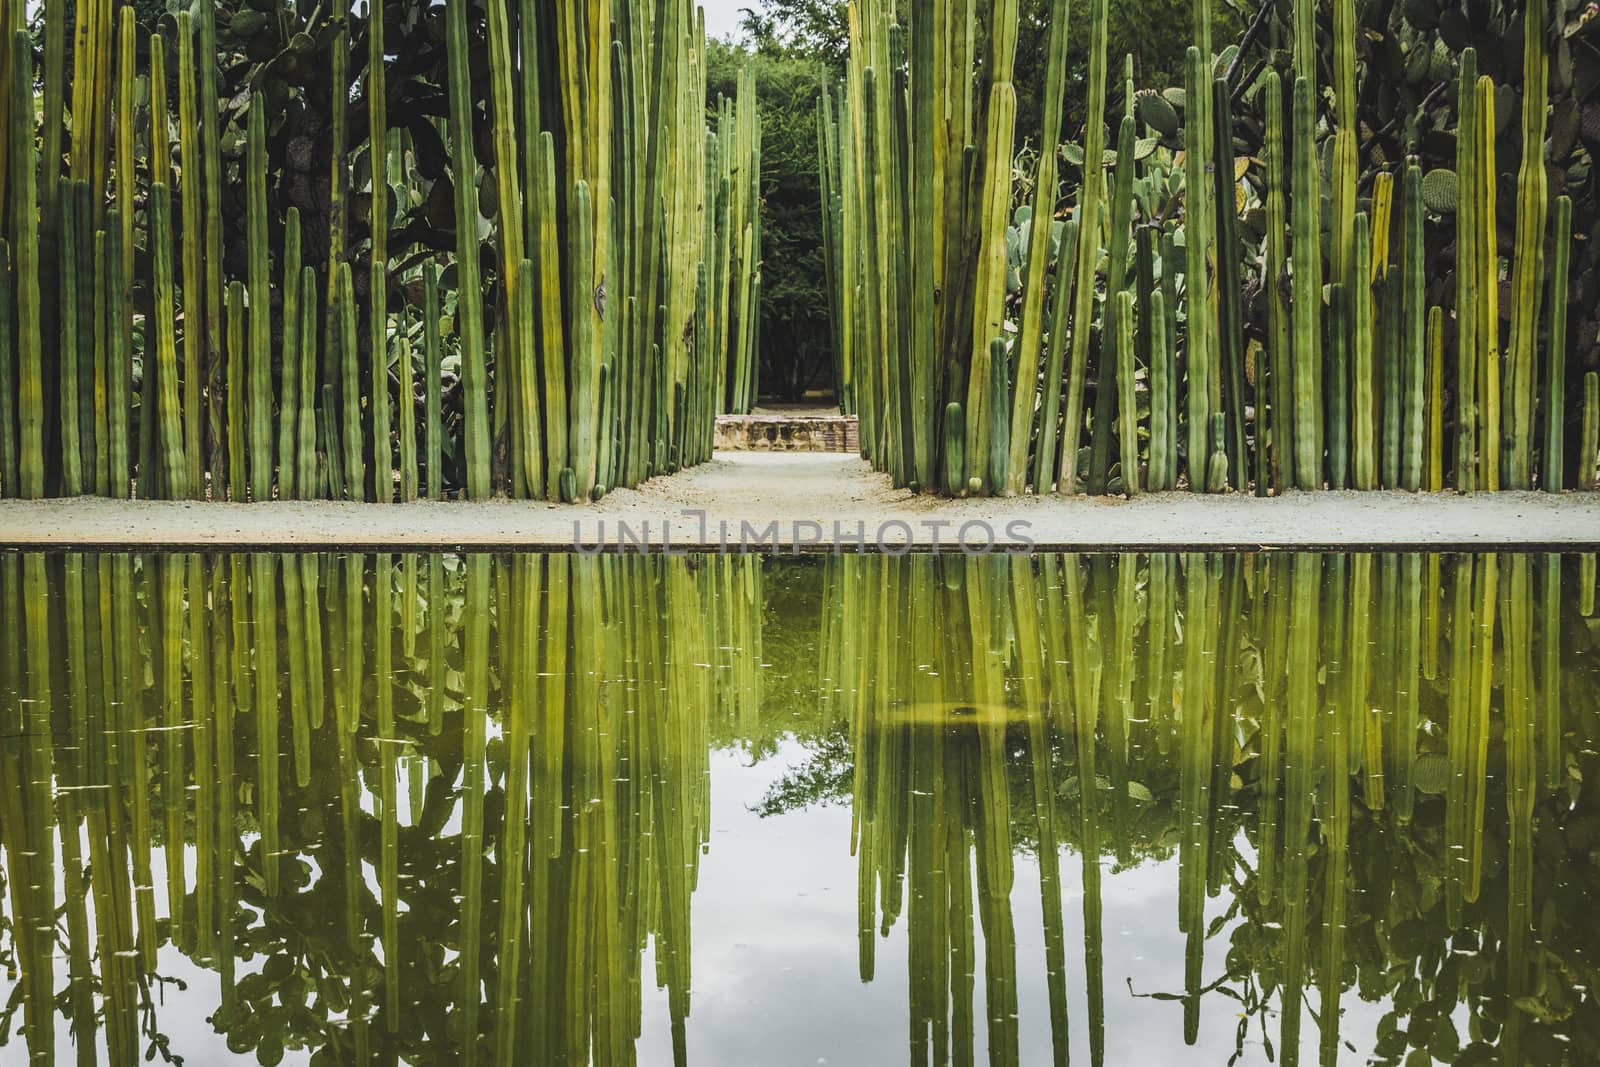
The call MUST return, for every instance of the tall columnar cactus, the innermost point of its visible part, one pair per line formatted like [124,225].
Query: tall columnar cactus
[25,232]
[468,285]
[1486,245]
[1307,306]
[350,441]
[1090,197]
[1467,297]
[193,237]
[1108,376]
[118,370]
[1280,352]
[1128,429]
[1337,412]
[68,354]
[378,287]
[208,301]
[174,469]
[1528,266]
[1229,359]
[1415,312]
[1200,360]
[306,484]
[432,416]
[1163,383]
[1044,202]
[1589,440]
[9,466]
[1554,479]
[290,359]
[258,288]
[1363,429]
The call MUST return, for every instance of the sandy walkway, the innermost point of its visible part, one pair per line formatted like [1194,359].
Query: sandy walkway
[813,502]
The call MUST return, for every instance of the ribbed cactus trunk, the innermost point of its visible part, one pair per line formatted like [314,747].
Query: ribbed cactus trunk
[468,284]
[1089,248]
[1307,299]
[1528,271]
[25,232]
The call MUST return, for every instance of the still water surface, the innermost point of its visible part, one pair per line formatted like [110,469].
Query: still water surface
[551,810]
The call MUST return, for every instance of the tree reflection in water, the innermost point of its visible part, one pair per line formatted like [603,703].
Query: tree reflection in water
[487,791]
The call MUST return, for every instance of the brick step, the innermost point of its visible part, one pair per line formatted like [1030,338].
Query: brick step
[788,433]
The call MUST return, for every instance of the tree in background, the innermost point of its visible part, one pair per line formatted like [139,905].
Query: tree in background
[795,340]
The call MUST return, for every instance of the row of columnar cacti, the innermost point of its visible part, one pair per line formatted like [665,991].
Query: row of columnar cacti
[145,354]
[1272,344]
[212,727]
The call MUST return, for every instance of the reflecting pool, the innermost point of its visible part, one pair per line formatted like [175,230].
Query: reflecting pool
[442,809]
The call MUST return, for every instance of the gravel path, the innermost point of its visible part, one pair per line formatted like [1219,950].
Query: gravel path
[812,502]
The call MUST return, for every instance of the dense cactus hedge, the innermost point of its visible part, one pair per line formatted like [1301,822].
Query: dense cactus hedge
[488,246]
[1365,264]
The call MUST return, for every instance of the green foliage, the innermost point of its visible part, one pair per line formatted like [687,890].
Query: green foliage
[795,336]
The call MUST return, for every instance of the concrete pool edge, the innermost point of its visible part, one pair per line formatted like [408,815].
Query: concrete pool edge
[819,503]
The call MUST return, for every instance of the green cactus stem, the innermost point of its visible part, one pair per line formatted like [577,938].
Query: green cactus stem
[69,352]
[1393,375]
[9,465]
[1528,265]
[432,371]
[118,369]
[214,292]
[1275,274]
[999,400]
[350,388]
[306,485]
[1363,430]
[1163,382]
[25,235]
[174,470]
[1089,247]
[290,359]
[1414,328]
[1307,298]
[1217,474]
[1338,382]
[1200,362]
[409,482]
[954,450]
[474,379]
[1555,448]
[1589,440]
[1128,428]
[193,255]
[1229,312]
[259,287]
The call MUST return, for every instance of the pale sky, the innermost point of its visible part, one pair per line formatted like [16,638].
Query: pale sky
[722,16]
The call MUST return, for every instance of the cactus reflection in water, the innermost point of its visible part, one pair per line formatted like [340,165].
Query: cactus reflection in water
[1311,775]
